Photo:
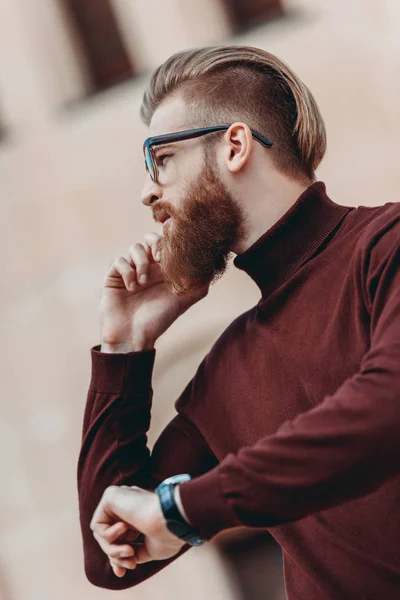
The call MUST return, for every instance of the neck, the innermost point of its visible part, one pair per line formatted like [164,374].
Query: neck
[268,204]
[306,228]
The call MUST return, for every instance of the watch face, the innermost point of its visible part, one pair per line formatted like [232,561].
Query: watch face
[184,533]
[178,528]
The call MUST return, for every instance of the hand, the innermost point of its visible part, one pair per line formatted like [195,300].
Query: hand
[122,508]
[145,312]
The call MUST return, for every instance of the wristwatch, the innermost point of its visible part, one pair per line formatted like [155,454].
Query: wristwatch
[175,521]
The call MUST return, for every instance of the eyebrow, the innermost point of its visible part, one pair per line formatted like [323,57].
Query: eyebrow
[163,146]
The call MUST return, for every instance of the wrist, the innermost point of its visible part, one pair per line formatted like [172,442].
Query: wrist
[125,347]
[175,520]
[178,502]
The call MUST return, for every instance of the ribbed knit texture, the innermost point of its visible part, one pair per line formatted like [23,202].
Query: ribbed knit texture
[291,421]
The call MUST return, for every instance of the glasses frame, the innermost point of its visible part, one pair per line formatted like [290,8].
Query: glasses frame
[151,142]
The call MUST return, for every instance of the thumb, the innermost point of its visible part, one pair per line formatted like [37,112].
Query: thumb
[142,555]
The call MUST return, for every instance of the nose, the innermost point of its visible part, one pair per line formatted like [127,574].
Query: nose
[151,192]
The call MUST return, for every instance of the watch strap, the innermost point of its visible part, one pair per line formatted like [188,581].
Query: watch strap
[174,519]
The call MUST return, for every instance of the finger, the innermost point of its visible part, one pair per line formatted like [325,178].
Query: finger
[129,537]
[127,563]
[116,504]
[140,259]
[115,531]
[118,571]
[114,550]
[107,514]
[154,241]
[149,252]
[122,269]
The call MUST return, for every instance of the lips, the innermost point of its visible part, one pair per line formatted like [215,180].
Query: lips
[162,216]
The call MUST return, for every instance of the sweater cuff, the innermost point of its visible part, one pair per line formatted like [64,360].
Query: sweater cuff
[205,506]
[121,373]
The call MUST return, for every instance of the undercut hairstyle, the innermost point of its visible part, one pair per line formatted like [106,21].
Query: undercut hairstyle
[224,84]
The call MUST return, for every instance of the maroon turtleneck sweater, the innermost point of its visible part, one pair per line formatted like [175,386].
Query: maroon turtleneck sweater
[292,420]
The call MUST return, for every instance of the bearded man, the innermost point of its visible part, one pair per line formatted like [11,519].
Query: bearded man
[292,420]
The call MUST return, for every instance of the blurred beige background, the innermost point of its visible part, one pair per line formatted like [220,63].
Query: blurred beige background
[71,170]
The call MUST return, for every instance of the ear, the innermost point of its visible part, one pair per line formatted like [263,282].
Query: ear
[238,143]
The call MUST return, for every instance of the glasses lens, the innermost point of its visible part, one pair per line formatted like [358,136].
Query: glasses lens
[149,162]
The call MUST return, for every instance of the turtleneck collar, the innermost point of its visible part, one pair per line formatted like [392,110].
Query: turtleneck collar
[292,240]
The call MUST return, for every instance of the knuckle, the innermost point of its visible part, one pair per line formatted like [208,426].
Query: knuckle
[114,552]
[115,561]
[107,534]
[142,265]
[152,236]
[136,246]
[125,563]
[120,261]
[134,252]
[109,492]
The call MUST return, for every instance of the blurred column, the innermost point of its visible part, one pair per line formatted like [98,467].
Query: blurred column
[41,66]
[100,37]
[252,12]
[155,29]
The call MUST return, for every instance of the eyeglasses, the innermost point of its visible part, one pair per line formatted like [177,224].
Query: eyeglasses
[149,143]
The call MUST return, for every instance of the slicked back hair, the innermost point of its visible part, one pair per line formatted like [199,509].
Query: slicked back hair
[224,84]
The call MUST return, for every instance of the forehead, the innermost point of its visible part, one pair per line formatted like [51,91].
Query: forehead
[168,117]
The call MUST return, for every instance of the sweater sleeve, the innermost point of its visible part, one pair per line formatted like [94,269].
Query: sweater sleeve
[114,451]
[344,448]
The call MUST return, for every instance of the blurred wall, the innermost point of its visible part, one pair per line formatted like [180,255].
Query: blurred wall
[71,171]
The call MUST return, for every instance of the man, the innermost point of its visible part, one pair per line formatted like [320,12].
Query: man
[292,420]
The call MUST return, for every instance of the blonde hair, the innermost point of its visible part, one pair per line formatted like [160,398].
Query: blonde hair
[224,84]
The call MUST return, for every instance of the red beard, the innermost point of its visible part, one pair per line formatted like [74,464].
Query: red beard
[200,236]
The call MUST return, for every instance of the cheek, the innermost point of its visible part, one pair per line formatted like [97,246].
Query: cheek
[183,177]
[190,165]
[179,195]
